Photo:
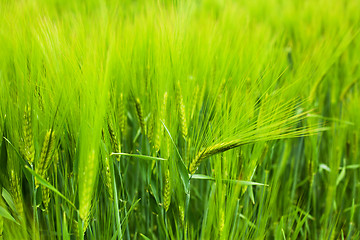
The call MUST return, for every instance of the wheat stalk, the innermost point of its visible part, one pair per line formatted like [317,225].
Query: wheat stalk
[44,162]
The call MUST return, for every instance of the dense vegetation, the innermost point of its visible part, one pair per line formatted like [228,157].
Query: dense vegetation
[201,119]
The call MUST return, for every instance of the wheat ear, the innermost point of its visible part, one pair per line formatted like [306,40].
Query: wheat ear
[140,114]
[16,193]
[150,128]
[194,101]
[113,140]
[212,150]
[122,116]
[86,188]
[44,162]
[181,215]
[29,151]
[107,177]
[181,110]
[45,195]
[167,191]
[159,130]
[221,224]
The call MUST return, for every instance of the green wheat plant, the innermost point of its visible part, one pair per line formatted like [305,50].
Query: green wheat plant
[166,119]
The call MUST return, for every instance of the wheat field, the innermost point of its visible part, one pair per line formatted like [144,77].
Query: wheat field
[170,119]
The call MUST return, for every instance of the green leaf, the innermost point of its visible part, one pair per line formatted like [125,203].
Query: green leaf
[4,213]
[241,182]
[130,210]
[48,185]
[201,177]
[246,183]
[143,157]
[144,237]
[66,235]
[341,175]
[184,175]
[8,199]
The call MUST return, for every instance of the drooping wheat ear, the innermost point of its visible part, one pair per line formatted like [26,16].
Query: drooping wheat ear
[29,151]
[113,140]
[45,195]
[167,191]
[194,101]
[107,177]
[122,116]
[17,194]
[140,115]
[86,187]
[46,156]
[212,150]
[181,110]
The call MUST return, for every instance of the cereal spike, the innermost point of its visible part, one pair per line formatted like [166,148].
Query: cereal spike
[159,126]
[113,140]
[16,193]
[194,101]
[29,151]
[86,188]
[212,150]
[46,195]
[140,115]
[46,155]
[167,191]
[221,224]
[122,116]
[181,110]
[181,215]
[150,128]
[107,177]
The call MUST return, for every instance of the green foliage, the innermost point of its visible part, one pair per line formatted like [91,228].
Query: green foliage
[165,119]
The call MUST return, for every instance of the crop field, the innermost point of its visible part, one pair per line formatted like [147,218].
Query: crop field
[159,119]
